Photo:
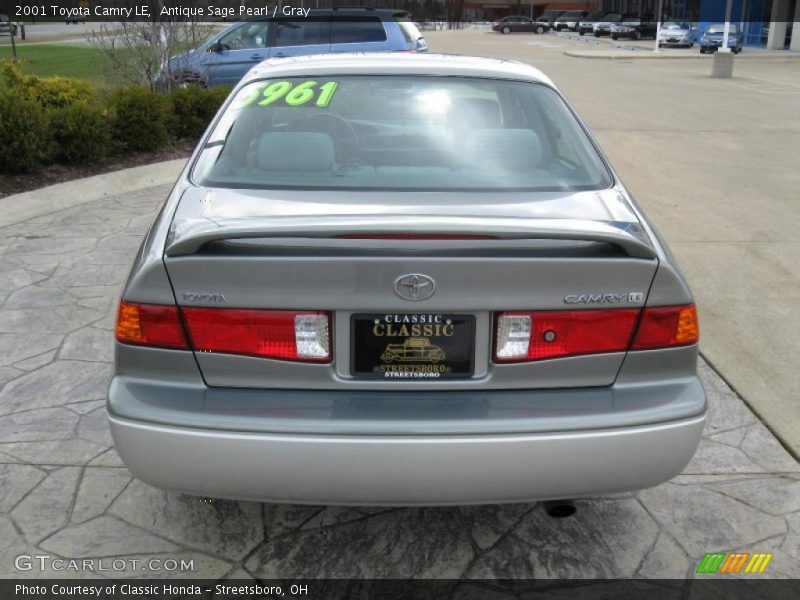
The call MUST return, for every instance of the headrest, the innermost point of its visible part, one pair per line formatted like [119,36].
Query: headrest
[295,151]
[509,149]
[474,113]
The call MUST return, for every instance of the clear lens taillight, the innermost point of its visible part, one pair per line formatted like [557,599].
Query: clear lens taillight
[311,336]
[513,336]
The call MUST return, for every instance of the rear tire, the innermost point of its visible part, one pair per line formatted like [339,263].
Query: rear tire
[581,33]
[702,50]
[614,36]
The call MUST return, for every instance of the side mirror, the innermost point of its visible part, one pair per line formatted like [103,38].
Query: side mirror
[215,47]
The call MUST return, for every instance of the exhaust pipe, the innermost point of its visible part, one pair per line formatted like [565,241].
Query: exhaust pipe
[559,509]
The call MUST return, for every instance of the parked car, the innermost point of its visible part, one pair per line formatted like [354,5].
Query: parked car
[712,38]
[549,17]
[586,25]
[676,33]
[228,55]
[569,20]
[11,28]
[603,27]
[634,28]
[79,18]
[519,23]
[341,204]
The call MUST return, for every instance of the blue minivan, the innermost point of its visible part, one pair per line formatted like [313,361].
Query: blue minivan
[225,57]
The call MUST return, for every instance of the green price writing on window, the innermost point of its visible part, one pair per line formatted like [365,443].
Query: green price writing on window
[293,95]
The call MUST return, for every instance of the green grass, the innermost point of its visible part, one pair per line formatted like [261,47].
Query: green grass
[65,60]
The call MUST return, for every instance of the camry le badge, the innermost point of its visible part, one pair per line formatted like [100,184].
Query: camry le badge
[414,286]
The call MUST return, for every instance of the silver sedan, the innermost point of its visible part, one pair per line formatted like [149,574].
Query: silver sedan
[403,279]
[676,34]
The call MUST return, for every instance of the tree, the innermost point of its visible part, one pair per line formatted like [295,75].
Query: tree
[455,14]
[138,52]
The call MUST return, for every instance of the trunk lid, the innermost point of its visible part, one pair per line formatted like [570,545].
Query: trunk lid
[294,250]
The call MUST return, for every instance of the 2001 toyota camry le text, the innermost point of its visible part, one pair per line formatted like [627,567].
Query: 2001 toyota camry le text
[403,279]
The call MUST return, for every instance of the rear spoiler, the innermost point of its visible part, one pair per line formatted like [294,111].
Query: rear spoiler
[188,237]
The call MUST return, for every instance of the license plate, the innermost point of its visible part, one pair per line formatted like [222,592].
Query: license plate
[422,346]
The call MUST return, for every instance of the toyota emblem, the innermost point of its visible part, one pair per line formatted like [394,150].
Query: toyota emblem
[414,286]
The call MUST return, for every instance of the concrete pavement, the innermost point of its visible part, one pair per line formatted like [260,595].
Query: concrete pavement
[715,164]
[29,205]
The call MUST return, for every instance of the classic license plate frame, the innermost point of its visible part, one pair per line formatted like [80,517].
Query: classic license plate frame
[412,346]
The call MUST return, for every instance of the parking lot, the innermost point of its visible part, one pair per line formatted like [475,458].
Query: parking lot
[715,165]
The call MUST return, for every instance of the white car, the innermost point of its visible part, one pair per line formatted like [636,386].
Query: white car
[12,28]
[676,34]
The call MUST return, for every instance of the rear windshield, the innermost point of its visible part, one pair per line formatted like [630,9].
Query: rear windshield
[357,30]
[399,132]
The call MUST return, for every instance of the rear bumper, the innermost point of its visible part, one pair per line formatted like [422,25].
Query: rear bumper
[405,470]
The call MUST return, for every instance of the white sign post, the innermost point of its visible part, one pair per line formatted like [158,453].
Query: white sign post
[727,29]
[658,23]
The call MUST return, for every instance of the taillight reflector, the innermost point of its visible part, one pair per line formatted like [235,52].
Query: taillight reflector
[525,336]
[667,326]
[150,325]
[286,335]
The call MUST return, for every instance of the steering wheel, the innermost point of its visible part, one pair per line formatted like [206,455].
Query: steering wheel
[233,44]
[341,131]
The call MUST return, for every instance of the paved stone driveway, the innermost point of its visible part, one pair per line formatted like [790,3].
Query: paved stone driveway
[64,491]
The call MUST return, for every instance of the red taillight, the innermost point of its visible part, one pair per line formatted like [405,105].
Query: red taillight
[525,336]
[286,335]
[150,325]
[667,326]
